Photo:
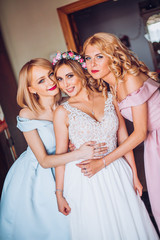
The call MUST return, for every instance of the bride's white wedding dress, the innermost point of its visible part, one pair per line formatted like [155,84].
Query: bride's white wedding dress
[105,206]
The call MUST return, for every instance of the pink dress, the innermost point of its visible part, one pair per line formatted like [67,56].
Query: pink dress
[149,93]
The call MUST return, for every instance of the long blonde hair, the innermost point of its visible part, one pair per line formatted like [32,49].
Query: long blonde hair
[122,60]
[24,97]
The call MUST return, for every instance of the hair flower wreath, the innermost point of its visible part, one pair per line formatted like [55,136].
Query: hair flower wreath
[69,55]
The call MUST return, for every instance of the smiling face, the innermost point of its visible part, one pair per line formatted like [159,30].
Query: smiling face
[43,82]
[68,81]
[97,63]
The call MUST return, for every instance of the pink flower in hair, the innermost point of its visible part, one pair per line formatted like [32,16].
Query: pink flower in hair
[77,57]
[81,60]
[64,55]
[54,61]
[70,54]
[84,65]
[58,56]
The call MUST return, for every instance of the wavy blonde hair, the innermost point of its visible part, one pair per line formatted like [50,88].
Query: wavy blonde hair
[122,60]
[24,97]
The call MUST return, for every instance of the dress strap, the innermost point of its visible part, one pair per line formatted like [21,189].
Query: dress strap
[68,107]
[141,95]
[26,125]
[109,106]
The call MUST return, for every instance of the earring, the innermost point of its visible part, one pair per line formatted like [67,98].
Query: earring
[36,95]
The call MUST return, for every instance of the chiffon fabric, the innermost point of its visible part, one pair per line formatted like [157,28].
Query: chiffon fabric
[149,93]
[28,208]
[105,206]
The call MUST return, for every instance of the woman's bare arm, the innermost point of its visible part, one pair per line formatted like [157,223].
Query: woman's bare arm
[139,114]
[62,139]
[47,161]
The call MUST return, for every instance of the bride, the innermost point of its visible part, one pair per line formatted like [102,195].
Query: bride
[108,204]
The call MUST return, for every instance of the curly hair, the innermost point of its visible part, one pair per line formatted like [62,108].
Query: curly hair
[121,59]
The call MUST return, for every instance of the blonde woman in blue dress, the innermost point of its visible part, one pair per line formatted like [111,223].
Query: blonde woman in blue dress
[28,208]
[106,206]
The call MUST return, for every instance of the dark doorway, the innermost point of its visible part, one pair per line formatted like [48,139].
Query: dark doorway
[8,91]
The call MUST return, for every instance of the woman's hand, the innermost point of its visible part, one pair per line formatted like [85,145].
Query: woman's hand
[91,167]
[137,185]
[63,206]
[92,150]
[71,146]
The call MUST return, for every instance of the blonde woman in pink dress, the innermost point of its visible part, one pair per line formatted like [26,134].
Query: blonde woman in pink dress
[138,97]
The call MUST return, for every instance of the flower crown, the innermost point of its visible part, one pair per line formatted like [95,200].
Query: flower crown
[69,55]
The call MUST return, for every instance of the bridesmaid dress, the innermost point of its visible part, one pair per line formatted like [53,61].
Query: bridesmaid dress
[149,93]
[28,208]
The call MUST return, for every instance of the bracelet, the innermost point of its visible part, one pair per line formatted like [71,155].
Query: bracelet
[104,163]
[58,190]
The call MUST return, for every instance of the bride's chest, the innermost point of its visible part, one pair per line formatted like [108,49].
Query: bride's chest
[81,123]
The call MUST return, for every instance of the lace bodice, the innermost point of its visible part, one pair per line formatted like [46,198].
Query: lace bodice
[84,128]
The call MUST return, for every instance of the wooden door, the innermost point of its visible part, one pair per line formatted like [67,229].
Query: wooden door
[68,24]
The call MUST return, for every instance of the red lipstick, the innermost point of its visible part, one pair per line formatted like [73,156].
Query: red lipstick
[54,87]
[94,71]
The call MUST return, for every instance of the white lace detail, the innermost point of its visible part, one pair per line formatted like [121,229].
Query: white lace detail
[83,128]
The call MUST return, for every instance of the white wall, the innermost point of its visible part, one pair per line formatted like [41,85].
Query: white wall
[31,28]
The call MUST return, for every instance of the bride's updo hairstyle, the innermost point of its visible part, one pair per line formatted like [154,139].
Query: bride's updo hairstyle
[76,63]
[122,60]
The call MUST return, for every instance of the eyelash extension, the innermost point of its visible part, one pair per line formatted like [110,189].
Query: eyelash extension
[51,74]
[40,81]
[59,79]
[87,58]
[99,56]
[70,75]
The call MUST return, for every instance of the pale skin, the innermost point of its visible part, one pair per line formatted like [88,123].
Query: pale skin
[82,99]
[95,60]
[44,85]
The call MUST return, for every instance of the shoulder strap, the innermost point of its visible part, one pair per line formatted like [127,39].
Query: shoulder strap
[68,107]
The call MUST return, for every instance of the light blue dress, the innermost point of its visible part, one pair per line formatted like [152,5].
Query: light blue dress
[28,208]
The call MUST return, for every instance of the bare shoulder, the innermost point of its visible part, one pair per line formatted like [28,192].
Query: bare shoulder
[60,117]
[60,112]
[26,113]
[133,83]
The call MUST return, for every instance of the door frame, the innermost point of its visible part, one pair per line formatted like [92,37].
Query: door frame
[65,11]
